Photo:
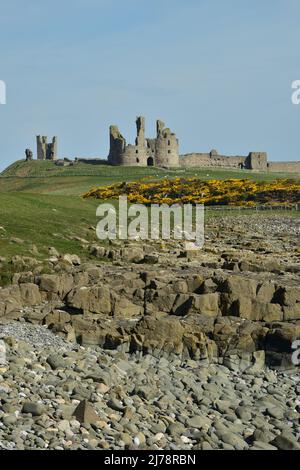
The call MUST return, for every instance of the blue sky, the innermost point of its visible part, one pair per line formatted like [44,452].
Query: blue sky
[218,72]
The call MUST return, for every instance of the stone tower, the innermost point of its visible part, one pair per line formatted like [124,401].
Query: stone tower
[161,151]
[117,146]
[46,151]
[166,147]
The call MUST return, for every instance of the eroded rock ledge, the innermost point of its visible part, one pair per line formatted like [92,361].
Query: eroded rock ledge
[237,301]
[193,312]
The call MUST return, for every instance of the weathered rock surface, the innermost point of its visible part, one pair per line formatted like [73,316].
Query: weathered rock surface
[221,303]
[151,346]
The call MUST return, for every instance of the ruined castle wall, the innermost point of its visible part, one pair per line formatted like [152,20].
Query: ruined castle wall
[134,155]
[214,161]
[41,142]
[289,167]
[151,145]
[166,147]
[51,150]
[128,155]
[46,151]
[162,151]
[254,161]
[257,161]
[166,151]
[117,146]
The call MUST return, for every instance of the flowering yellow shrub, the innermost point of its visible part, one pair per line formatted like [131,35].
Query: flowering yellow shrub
[214,192]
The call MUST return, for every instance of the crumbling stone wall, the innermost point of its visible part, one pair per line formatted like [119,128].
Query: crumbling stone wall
[161,151]
[41,142]
[128,155]
[212,159]
[117,146]
[289,167]
[28,155]
[254,161]
[45,150]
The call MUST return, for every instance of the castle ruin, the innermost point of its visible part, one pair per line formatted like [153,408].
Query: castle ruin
[253,161]
[45,150]
[161,151]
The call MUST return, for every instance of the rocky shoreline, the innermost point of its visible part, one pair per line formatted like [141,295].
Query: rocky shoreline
[153,346]
[64,396]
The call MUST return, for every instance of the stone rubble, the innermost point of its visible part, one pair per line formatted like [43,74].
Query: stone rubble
[89,398]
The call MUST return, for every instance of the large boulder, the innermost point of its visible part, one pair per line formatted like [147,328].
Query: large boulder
[60,284]
[237,285]
[182,305]
[291,312]
[278,345]
[132,254]
[252,309]
[162,300]
[124,308]
[30,294]
[288,296]
[265,292]
[207,304]
[95,299]
[168,334]
[10,299]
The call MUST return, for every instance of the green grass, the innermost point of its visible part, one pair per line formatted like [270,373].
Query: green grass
[44,177]
[63,185]
[49,220]
[42,206]
[44,221]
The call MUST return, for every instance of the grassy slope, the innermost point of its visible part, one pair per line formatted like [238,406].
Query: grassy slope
[49,220]
[44,177]
[47,211]
[44,221]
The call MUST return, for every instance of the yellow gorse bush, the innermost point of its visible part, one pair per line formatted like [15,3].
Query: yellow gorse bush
[192,190]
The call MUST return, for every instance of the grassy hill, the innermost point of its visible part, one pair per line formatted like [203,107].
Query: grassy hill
[44,221]
[31,223]
[47,178]
[40,203]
